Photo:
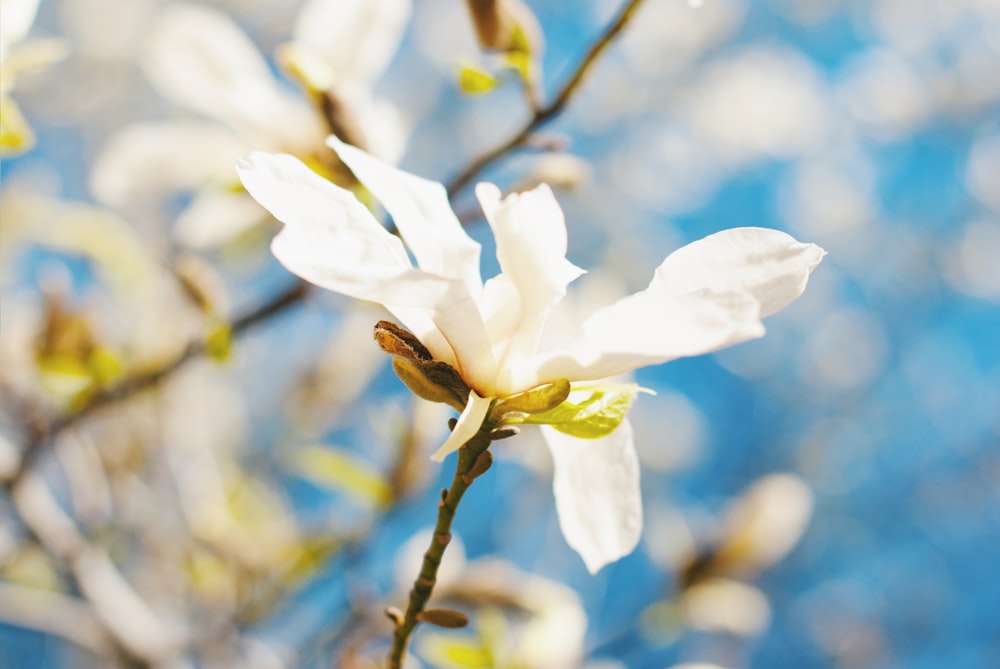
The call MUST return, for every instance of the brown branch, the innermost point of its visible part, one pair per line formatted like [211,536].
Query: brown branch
[544,114]
[473,459]
[116,640]
[129,386]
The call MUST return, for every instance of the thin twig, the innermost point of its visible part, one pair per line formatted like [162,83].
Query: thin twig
[554,108]
[468,465]
[143,380]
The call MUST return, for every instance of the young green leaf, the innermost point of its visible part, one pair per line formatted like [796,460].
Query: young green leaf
[474,80]
[597,416]
[218,341]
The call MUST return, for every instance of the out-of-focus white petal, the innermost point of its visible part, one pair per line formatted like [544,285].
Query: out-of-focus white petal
[420,209]
[214,217]
[164,157]
[769,264]
[32,56]
[596,484]
[357,38]
[765,523]
[200,59]
[723,605]
[468,424]
[16,17]
[530,235]
[386,128]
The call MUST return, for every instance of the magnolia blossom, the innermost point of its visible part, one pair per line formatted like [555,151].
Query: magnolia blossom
[202,61]
[19,57]
[704,296]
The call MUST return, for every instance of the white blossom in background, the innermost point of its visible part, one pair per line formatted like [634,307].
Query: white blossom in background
[703,297]
[124,308]
[200,60]
[886,93]
[547,630]
[670,36]
[951,44]
[19,57]
[763,102]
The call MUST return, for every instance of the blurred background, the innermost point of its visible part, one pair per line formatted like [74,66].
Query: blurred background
[242,482]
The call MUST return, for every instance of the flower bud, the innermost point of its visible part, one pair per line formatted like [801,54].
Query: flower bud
[505,25]
[397,341]
[432,380]
[443,618]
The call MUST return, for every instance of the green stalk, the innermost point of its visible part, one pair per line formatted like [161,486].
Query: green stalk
[473,460]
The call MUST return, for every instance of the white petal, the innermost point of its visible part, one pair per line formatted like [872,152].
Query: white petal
[769,264]
[35,55]
[357,38]
[158,158]
[201,60]
[215,217]
[327,229]
[385,128]
[648,328]
[500,307]
[330,239]
[420,209]
[530,236]
[705,296]
[468,424]
[16,17]
[596,485]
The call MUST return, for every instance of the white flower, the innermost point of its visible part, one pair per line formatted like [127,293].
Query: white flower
[18,58]
[704,296]
[201,60]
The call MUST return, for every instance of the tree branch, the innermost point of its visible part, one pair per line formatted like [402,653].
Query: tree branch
[551,110]
[470,464]
[135,383]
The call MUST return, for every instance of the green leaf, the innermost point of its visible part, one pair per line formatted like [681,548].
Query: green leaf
[518,56]
[105,365]
[64,376]
[519,41]
[596,416]
[218,341]
[473,80]
[520,62]
[16,136]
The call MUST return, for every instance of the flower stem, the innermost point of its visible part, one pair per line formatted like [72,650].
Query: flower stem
[465,473]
